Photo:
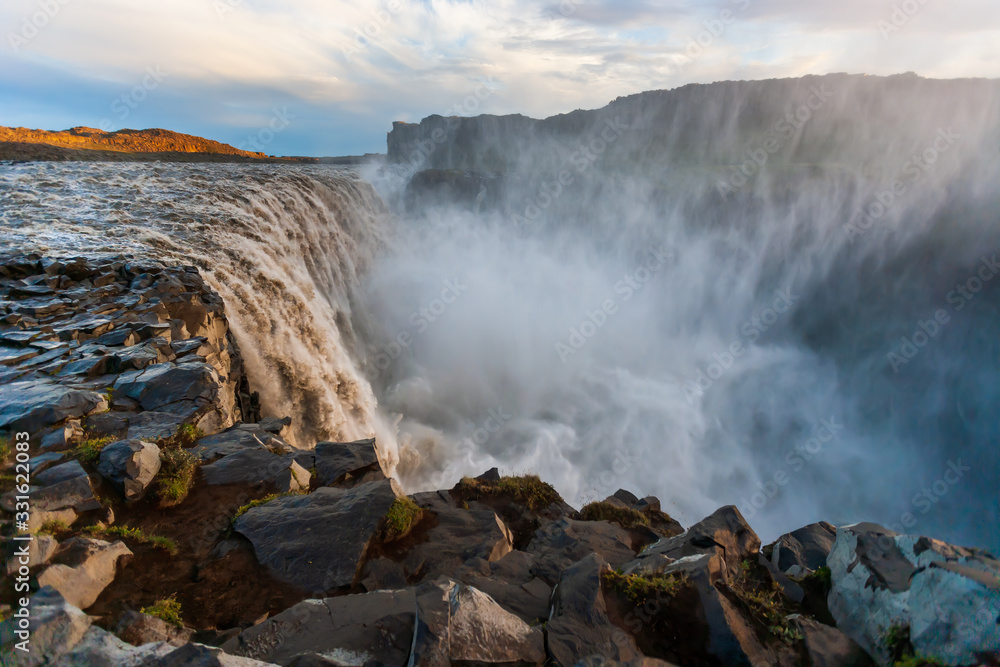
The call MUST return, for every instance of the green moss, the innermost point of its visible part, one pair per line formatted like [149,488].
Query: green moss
[638,588]
[166,609]
[918,661]
[526,489]
[52,528]
[188,434]
[4,449]
[765,601]
[400,517]
[626,517]
[897,642]
[176,476]
[90,450]
[137,535]
[821,579]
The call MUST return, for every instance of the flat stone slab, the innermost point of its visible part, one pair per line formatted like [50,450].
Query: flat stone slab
[317,541]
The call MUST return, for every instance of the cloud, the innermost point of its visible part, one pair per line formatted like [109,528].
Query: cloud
[360,65]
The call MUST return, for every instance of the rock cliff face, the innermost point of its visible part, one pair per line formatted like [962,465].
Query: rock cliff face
[691,126]
[128,141]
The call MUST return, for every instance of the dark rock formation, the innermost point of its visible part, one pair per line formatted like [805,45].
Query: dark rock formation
[318,541]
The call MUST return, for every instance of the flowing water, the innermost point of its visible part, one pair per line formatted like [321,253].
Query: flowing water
[645,334]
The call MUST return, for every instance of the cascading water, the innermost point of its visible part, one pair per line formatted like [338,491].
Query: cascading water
[650,329]
[658,322]
[284,246]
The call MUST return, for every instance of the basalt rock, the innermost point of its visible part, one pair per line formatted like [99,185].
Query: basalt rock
[130,465]
[87,567]
[947,598]
[318,541]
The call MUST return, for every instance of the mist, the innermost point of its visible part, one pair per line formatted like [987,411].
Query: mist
[753,293]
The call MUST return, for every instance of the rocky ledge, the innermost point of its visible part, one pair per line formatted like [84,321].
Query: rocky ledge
[171,525]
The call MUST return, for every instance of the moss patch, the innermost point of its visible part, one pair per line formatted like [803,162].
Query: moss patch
[638,588]
[626,517]
[133,535]
[176,476]
[400,518]
[765,601]
[166,609]
[90,449]
[528,490]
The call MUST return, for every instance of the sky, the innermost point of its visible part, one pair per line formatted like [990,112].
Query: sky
[328,77]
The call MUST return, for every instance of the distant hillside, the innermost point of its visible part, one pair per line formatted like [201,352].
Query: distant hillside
[122,141]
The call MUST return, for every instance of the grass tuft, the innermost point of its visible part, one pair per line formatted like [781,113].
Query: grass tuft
[765,600]
[135,535]
[53,527]
[90,450]
[243,509]
[626,517]
[529,490]
[176,476]
[638,588]
[400,518]
[166,609]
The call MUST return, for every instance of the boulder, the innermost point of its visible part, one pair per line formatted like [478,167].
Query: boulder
[829,647]
[510,582]
[88,566]
[318,541]
[64,486]
[187,388]
[197,655]
[804,550]
[138,629]
[100,647]
[64,436]
[947,597]
[152,426]
[130,465]
[699,619]
[579,627]
[38,518]
[725,533]
[240,437]
[559,544]
[40,551]
[347,462]
[457,535]
[254,466]
[33,405]
[350,630]
[458,624]
[55,627]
